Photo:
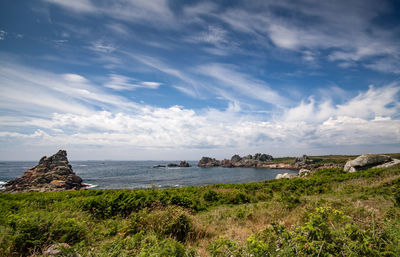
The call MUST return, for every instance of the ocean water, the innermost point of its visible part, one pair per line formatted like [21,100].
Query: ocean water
[141,174]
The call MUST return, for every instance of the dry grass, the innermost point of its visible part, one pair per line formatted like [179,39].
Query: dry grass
[240,221]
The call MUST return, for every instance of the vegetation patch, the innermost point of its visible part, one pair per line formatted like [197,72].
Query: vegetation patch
[331,212]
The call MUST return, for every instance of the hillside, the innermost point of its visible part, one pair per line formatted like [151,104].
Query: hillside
[328,213]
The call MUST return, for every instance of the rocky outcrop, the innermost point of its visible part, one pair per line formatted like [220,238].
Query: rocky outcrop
[53,173]
[159,166]
[226,163]
[366,161]
[249,161]
[302,161]
[208,162]
[263,157]
[236,158]
[184,164]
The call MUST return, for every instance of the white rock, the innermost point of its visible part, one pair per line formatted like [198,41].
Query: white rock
[304,172]
[285,175]
[366,161]
[387,164]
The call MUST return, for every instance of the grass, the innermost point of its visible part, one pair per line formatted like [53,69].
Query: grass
[332,212]
[325,159]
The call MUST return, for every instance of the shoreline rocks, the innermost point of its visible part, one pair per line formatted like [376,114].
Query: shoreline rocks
[52,173]
[249,161]
[286,175]
[208,162]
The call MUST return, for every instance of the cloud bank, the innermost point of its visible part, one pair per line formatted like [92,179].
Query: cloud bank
[74,112]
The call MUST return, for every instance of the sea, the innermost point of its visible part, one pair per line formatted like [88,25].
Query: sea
[142,174]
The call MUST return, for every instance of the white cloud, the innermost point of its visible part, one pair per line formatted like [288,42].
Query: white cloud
[176,127]
[2,34]
[387,65]
[366,105]
[315,26]
[52,110]
[102,47]
[150,84]
[119,82]
[26,89]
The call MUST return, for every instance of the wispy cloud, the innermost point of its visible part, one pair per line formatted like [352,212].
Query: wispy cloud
[102,47]
[118,28]
[2,34]
[315,27]
[156,11]
[81,6]
[119,82]
[242,84]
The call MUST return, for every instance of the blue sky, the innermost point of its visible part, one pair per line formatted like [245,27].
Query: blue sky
[140,80]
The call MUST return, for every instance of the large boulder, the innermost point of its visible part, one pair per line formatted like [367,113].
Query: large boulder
[208,162]
[53,173]
[366,161]
[304,172]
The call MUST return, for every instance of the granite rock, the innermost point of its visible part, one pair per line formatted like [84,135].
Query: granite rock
[52,173]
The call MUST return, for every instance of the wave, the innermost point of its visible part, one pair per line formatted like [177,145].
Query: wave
[90,186]
[2,183]
[81,165]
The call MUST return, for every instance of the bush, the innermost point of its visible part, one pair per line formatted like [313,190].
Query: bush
[210,196]
[172,222]
[39,229]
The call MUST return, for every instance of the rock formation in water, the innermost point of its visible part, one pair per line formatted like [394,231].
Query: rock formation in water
[236,161]
[53,173]
[208,162]
[184,164]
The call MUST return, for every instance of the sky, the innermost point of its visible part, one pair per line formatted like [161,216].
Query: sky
[175,80]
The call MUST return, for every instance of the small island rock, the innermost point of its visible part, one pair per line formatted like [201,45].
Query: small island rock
[53,173]
[184,164]
[208,162]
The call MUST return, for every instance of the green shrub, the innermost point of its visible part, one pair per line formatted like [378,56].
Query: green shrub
[39,229]
[210,196]
[172,222]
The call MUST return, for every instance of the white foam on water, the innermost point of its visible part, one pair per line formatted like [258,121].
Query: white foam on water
[2,183]
[90,186]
